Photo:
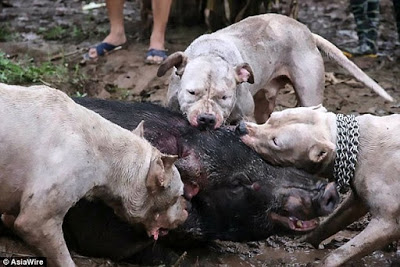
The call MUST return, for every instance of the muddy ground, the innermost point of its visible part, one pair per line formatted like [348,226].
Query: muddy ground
[59,32]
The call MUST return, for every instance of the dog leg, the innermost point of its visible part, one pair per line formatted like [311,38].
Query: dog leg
[349,211]
[39,222]
[45,236]
[264,100]
[380,231]
[3,227]
[7,220]
[262,107]
[172,94]
[308,79]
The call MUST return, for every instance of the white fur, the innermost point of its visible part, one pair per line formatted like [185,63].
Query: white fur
[53,152]
[278,50]
[376,182]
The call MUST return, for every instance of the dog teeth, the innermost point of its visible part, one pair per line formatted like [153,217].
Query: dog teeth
[299,224]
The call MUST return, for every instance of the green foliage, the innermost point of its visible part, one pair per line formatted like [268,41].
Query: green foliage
[79,94]
[77,33]
[12,72]
[5,34]
[54,33]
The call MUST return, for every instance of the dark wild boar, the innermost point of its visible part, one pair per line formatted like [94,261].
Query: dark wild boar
[234,194]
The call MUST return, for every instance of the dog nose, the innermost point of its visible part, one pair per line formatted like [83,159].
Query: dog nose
[206,120]
[328,200]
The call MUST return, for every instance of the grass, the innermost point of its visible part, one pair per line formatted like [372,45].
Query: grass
[6,34]
[79,94]
[14,73]
[54,33]
[77,33]
[27,72]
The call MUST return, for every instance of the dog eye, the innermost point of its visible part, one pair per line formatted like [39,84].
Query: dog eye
[224,97]
[275,142]
[190,92]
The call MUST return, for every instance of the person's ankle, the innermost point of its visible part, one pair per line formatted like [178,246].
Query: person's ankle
[115,38]
[156,46]
[156,42]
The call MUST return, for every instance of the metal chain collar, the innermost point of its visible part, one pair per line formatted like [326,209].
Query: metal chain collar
[346,151]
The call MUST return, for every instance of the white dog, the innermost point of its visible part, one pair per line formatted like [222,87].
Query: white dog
[361,153]
[54,152]
[238,71]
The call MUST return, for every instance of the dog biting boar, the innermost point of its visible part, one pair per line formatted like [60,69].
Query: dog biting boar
[54,152]
[233,193]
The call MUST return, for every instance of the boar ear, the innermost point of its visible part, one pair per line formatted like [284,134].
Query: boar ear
[189,165]
[177,60]
[320,150]
[139,130]
[244,73]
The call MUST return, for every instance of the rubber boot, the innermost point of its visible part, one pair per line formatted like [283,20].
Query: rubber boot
[364,48]
[366,14]
[396,6]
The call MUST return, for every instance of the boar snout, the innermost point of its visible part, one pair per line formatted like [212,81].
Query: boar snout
[206,121]
[241,129]
[328,199]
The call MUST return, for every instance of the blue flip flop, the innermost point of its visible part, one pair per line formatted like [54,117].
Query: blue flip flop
[155,52]
[102,49]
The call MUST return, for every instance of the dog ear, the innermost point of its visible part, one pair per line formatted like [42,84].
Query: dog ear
[168,161]
[139,130]
[160,173]
[155,175]
[177,59]
[320,150]
[244,73]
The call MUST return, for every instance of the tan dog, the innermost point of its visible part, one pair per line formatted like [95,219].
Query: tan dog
[307,138]
[238,71]
[54,152]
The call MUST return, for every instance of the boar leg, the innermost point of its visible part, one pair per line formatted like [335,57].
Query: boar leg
[349,211]
[380,231]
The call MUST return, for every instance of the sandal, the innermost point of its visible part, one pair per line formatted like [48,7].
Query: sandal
[101,49]
[151,53]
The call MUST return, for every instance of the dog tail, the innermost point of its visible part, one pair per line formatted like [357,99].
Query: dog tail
[334,53]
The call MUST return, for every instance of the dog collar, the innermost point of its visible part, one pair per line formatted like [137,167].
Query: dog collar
[346,151]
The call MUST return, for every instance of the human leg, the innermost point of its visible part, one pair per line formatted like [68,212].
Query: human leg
[161,9]
[116,37]
[366,15]
[396,5]
[373,24]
